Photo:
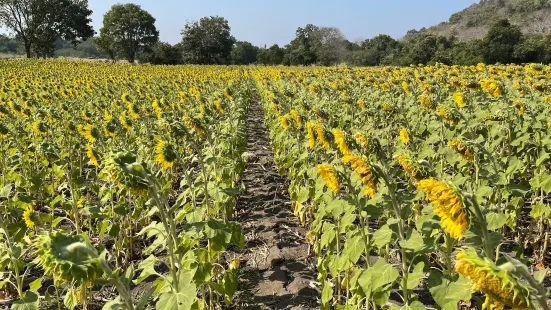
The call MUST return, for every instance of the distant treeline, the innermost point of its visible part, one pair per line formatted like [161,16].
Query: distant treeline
[63,28]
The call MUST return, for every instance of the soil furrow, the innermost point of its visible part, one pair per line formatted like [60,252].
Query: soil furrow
[274,273]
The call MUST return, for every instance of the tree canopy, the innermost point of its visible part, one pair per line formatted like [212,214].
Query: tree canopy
[39,23]
[207,41]
[127,30]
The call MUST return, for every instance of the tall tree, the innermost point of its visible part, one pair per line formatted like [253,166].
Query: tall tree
[500,42]
[127,30]
[243,53]
[301,49]
[208,41]
[271,56]
[39,23]
[330,45]
[164,54]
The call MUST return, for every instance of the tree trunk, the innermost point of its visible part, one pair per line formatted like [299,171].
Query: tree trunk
[28,49]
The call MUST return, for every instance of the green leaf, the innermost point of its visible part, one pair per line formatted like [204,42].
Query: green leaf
[496,220]
[383,273]
[5,191]
[413,242]
[540,275]
[29,301]
[182,300]
[326,293]
[416,275]
[448,292]
[36,285]
[115,304]
[353,248]
[382,236]
[148,269]
[232,192]
[416,305]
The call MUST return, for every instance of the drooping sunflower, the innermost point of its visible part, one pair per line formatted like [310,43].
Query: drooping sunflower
[459,99]
[88,132]
[519,107]
[92,155]
[165,154]
[461,148]
[449,206]
[413,168]
[125,169]
[67,257]
[404,136]
[329,176]
[425,102]
[311,136]
[297,117]
[285,121]
[340,141]
[322,137]
[494,281]
[194,125]
[362,169]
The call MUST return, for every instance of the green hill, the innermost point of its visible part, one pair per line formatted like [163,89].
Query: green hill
[533,16]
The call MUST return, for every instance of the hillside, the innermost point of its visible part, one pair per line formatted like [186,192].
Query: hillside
[533,16]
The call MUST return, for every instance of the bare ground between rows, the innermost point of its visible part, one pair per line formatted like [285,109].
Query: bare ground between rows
[275,273]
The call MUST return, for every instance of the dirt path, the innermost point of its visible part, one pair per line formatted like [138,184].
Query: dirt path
[274,273]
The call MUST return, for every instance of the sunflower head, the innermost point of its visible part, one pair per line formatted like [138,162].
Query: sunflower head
[40,127]
[497,282]
[364,171]
[30,216]
[165,154]
[340,141]
[67,257]
[4,131]
[461,148]
[329,176]
[92,155]
[413,168]
[449,206]
[404,136]
[124,168]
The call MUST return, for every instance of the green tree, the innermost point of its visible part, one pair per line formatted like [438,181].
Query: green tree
[375,49]
[244,53]
[127,30]
[208,41]
[164,54]
[500,42]
[535,48]
[271,56]
[301,49]
[39,23]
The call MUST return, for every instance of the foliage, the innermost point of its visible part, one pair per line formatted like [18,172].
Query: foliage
[207,41]
[127,30]
[164,54]
[244,53]
[113,174]
[39,23]
[394,170]
[499,44]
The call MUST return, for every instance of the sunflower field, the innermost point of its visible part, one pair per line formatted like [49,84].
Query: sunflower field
[419,181]
[104,165]
[418,185]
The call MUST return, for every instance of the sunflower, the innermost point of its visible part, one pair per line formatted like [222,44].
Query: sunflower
[285,121]
[125,121]
[362,169]
[40,128]
[414,169]
[425,102]
[92,155]
[67,257]
[519,107]
[322,137]
[194,125]
[459,99]
[494,281]
[460,147]
[404,136]
[4,132]
[311,136]
[88,132]
[165,155]
[448,205]
[30,217]
[340,141]
[110,128]
[405,87]
[124,168]
[298,119]
[327,173]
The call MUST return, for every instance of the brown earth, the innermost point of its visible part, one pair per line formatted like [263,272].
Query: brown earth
[275,272]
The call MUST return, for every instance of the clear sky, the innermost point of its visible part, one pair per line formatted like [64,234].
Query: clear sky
[267,22]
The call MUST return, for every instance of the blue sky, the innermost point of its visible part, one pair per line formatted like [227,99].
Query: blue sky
[266,22]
